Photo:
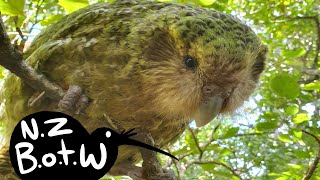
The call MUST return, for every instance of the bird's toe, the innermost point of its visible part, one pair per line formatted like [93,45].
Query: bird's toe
[165,175]
[74,100]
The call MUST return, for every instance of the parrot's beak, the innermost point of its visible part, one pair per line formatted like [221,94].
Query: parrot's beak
[208,110]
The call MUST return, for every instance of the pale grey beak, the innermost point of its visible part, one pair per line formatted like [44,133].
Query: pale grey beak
[208,110]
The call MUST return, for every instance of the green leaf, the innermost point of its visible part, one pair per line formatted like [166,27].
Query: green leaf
[285,86]
[222,174]
[284,138]
[208,167]
[292,109]
[1,72]
[51,19]
[225,152]
[206,2]
[299,118]
[267,125]
[294,53]
[191,143]
[73,5]
[218,7]
[231,132]
[223,1]
[12,7]
[294,166]
[301,154]
[274,174]
[297,133]
[282,178]
[312,86]
[181,151]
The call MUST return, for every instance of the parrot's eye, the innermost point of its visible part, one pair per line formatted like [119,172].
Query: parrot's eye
[190,62]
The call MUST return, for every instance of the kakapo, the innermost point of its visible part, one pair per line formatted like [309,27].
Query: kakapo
[147,65]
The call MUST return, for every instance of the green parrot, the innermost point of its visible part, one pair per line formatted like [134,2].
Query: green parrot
[147,65]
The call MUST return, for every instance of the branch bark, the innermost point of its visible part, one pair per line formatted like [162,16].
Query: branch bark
[312,168]
[196,142]
[12,59]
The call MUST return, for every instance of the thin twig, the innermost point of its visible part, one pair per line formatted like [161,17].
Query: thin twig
[196,142]
[315,162]
[20,32]
[316,59]
[252,134]
[12,59]
[211,138]
[39,4]
[175,165]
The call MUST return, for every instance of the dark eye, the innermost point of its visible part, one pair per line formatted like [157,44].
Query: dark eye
[190,62]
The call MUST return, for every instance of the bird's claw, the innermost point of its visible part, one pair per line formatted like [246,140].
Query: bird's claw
[135,175]
[74,100]
[165,175]
[151,166]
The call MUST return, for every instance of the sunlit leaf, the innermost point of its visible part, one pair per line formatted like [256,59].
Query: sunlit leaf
[312,86]
[282,178]
[294,53]
[297,133]
[51,19]
[225,152]
[1,72]
[299,118]
[294,166]
[284,138]
[73,5]
[12,7]
[206,2]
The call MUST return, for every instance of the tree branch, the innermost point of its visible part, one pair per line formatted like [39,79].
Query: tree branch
[175,165]
[315,162]
[211,138]
[12,59]
[316,59]
[196,142]
[39,4]
[252,134]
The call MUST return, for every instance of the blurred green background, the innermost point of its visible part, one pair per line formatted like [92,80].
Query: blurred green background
[264,139]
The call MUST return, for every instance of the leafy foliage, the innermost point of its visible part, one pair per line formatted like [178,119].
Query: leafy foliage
[264,139]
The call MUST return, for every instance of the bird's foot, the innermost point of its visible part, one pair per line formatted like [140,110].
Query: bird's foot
[152,169]
[127,169]
[155,172]
[165,175]
[74,100]
[138,173]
